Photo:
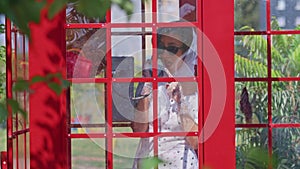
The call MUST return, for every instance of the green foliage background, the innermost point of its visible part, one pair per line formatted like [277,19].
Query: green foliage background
[285,100]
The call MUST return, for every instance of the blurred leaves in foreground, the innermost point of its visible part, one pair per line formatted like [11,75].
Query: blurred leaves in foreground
[22,13]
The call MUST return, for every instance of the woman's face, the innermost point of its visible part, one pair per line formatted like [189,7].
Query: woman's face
[170,50]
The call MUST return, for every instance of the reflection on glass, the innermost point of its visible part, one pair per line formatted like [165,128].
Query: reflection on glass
[251,56]
[281,21]
[88,153]
[87,103]
[285,55]
[137,51]
[285,102]
[285,12]
[73,16]
[251,147]
[124,152]
[141,13]
[86,50]
[250,14]
[120,45]
[251,102]
[286,147]
[174,10]
[281,5]
[297,7]
[123,105]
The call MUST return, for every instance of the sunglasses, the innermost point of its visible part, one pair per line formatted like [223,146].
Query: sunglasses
[171,49]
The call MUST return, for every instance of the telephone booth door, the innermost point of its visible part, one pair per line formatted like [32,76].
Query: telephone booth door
[89,125]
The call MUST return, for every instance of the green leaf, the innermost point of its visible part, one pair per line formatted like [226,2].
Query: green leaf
[3,112]
[65,83]
[23,12]
[50,76]
[21,85]
[55,7]
[93,8]
[3,6]
[37,79]
[13,104]
[151,162]
[125,5]
[55,87]
[16,108]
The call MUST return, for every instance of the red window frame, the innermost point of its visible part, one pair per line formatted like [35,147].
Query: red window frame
[17,124]
[269,79]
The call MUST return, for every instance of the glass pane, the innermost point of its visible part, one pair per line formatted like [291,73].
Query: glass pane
[286,147]
[133,54]
[27,150]
[26,62]
[86,50]
[251,148]
[285,102]
[3,136]
[20,63]
[124,152]
[141,13]
[87,103]
[73,16]
[251,56]
[21,148]
[22,98]
[123,105]
[175,152]
[251,102]
[143,110]
[88,153]
[174,10]
[285,14]
[177,113]
[15,152]
[177,51]
[249,15]
[13,55]
[285,55]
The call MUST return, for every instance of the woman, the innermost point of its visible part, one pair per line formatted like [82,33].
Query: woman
[177,103]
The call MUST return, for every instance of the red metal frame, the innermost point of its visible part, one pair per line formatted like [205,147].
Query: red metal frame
[50,127]
[48,123]
[14,130]
[208,26]
[9,93]
[218,27]
[269,79]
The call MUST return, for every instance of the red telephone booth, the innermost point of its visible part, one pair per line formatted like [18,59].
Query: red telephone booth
[89,124]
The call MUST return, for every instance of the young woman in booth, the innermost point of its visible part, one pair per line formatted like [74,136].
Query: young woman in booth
[177,102]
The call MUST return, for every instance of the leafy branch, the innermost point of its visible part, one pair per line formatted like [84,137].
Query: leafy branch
[54,81]
[23,13]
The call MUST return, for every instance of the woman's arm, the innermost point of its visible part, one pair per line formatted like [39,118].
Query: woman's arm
[140,122]
[189,125]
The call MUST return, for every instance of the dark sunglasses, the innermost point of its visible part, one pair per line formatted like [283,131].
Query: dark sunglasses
[172,49]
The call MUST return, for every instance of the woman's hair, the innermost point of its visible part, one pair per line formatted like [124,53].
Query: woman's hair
[185,34]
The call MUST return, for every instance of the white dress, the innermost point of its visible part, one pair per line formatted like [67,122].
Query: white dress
[174,151]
